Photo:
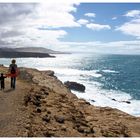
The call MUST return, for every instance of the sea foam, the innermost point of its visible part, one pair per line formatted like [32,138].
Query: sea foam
[96,95]
[94,92]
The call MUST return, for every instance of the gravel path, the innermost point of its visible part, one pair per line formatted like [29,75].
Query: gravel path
[13,115]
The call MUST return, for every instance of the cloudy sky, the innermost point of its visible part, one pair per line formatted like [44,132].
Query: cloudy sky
[67,26]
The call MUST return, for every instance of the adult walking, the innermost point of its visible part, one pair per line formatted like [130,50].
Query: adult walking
[13,72]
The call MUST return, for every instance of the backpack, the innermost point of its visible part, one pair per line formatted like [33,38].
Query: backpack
[13,70]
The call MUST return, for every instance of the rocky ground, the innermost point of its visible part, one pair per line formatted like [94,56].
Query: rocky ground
[41,106]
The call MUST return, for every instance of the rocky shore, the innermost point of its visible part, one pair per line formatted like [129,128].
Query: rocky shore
[49,109]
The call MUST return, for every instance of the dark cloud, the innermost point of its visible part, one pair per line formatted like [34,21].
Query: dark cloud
[12,19]
[12,33]
[11,12]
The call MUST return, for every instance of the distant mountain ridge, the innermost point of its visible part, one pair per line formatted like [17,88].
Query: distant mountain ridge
[26,52]
[13,54]
[37,50]
[32,50]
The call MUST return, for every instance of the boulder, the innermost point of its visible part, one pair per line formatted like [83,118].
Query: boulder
[38,110]
[80,129]
[27,98]
[49,73]
[46,118]
[128,102]
[63,128]
[59,119]
[36,102]
[114,99]
[75,86]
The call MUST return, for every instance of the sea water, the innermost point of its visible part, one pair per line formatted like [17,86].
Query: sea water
[109,79]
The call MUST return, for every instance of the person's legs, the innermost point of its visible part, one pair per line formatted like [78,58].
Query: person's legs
[11,82]
[14,82]
[2,85]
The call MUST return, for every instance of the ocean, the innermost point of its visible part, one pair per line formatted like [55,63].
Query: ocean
[110,80]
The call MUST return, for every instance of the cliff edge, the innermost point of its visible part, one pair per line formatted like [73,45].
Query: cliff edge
[41,106]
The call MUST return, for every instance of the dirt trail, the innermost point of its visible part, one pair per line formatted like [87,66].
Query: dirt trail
[13,115]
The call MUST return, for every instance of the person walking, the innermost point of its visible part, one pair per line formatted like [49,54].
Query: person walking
[2,81]
[13,71]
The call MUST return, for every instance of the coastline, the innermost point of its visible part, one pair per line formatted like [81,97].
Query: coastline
[24,55]
[54,111]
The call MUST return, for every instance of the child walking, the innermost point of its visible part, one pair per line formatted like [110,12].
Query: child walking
[2,81]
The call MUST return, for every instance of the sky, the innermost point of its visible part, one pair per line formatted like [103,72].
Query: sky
[72,26]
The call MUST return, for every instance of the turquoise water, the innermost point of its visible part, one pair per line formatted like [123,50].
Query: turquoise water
[106,77]
[119,72]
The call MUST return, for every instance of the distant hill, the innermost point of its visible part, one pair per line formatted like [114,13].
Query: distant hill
[37,50]
[7,50]
[16,53]
[27,52]
[8,54]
